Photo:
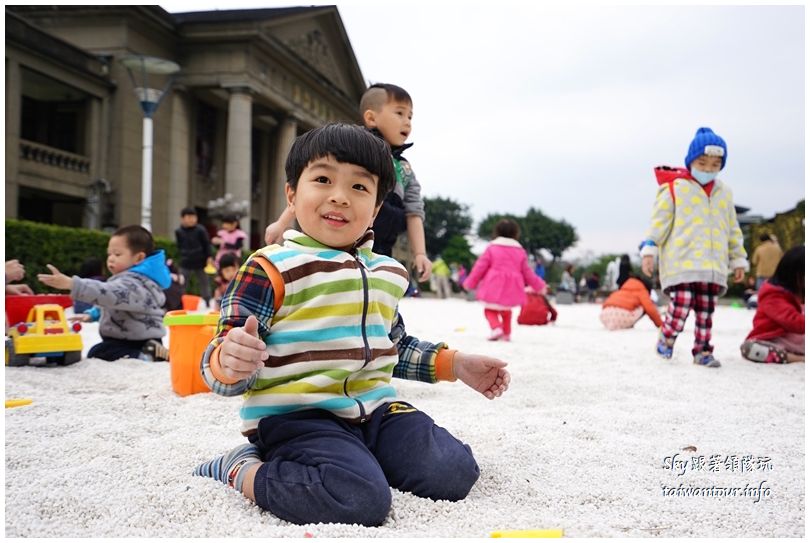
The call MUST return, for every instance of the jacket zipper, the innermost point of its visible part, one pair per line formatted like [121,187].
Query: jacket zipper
[366,347]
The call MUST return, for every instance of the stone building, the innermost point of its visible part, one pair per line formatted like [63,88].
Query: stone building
[250,81]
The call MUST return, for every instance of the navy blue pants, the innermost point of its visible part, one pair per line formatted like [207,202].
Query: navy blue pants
[319,468]
[112,349]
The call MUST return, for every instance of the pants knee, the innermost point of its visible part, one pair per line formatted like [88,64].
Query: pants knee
[460,475]
[366,503]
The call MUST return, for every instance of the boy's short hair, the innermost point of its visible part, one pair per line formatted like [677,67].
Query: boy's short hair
[765,237]
[347,143]
[230,218]
[379,94]
[139,239]
[227,260]
[188,211]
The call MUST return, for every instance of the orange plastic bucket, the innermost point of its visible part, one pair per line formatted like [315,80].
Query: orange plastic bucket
[189,336]
[190,302]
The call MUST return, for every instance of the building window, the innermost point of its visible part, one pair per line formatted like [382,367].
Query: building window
[53,114]
[206,134]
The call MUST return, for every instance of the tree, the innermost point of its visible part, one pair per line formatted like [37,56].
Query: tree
[444,219]
[458,250]
[537,231]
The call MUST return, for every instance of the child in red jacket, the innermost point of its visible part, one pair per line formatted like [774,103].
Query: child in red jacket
[778,334]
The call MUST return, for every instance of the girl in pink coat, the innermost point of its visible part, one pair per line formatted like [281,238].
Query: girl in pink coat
[503,272]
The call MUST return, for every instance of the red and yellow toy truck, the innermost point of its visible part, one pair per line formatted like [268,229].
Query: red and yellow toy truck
[45,333]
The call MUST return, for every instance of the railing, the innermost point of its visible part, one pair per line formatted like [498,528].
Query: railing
[36,152]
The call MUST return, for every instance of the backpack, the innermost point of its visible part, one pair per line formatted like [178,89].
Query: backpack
[668,175]
[536,310]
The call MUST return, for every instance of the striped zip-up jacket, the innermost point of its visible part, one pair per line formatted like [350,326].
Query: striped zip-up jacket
[336,339]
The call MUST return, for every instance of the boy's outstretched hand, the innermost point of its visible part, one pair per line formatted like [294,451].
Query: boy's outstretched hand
[485,374]
[56,279]
[243,352]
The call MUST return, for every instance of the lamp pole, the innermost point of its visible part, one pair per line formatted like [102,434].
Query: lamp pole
[140,67]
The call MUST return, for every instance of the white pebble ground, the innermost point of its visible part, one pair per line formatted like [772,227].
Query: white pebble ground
[581,441]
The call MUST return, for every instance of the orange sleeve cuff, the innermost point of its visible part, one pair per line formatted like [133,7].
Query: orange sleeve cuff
[444,365]
[216,368]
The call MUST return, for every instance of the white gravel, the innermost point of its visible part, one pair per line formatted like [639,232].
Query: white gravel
[578,442]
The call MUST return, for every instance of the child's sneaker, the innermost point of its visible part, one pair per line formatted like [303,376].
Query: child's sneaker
[497,334]
[707,359]
[506,337]
[664,347]
[759,352]
[155,351]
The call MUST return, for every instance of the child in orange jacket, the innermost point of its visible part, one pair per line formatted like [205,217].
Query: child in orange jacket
[626,306]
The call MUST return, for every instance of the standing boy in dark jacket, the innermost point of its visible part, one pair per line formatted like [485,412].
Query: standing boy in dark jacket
[195,251]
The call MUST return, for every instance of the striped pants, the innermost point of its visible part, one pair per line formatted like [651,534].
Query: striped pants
[699,297]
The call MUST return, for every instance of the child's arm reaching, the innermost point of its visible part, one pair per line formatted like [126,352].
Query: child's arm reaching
[482,373]
[661,226]
[416,241]
[432,362]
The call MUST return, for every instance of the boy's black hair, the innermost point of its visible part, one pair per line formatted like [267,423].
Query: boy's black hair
[139,239]
[392,92]
[231,218]
[765,237]
[789,272]
[227,260]
[349,144]
[188,211]
[506,228]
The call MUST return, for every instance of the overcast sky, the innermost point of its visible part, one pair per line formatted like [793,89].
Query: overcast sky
[568,109]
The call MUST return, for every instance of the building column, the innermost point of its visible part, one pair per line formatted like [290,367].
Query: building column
[13,112]
[285,136]
[180,163]
[237,150]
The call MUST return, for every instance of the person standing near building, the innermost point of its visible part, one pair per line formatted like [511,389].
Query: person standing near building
[765,259]
[194,246]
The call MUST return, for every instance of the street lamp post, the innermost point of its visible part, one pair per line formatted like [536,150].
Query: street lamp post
[140,67]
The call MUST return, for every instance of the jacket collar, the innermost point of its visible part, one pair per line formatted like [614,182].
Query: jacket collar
[507,242]
[395,151]
[301,241]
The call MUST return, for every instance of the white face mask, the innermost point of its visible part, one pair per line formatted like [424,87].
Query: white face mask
[702,177]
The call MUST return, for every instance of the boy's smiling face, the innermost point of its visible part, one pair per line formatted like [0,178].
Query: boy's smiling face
[393,121]
[334,202]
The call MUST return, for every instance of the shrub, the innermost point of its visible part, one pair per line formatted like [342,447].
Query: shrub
[37,244]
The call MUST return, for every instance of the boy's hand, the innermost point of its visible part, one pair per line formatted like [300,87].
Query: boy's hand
[274,233]
[18,289]
[14,271]
[739,275]
[485,374]
[56,279]
[423,267]
[647,265]
[242,353]
[79,318]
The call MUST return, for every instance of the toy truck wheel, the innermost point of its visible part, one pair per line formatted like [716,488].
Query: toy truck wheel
[70,358]
[14,359]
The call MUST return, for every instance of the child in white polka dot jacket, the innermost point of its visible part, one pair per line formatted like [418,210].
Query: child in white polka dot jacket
[697,238]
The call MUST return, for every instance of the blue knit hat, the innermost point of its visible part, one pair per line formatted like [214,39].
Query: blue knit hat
[707,142]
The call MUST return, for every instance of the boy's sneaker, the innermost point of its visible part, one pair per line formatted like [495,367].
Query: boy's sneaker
[156,351]
[664,347]
[497,334]
[506,337]
[707,359]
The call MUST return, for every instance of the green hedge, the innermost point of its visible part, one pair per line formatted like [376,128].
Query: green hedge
[36,244]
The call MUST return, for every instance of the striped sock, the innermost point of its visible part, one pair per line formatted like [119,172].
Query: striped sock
[228,467]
